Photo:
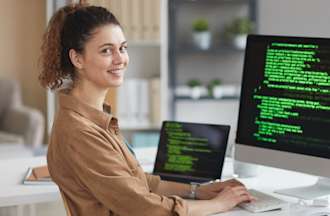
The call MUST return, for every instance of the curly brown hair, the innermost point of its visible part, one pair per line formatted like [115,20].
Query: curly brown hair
[69,28]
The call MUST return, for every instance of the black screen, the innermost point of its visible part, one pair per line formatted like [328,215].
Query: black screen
[285,98]
[191,150]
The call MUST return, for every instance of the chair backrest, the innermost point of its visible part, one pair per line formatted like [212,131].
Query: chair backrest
[17,119]
[66,206]
[10,94]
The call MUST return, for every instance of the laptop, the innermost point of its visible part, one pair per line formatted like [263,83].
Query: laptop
[191,152]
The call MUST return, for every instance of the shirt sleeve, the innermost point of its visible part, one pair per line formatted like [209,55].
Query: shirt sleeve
[105,173]
[153,181]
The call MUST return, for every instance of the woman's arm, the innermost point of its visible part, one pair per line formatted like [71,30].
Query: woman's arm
[203,192]
[169,188]
[218,196]
[228,198]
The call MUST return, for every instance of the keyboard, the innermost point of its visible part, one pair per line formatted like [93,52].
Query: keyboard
[263,203]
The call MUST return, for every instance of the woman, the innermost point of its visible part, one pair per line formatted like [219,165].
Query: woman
[87,156]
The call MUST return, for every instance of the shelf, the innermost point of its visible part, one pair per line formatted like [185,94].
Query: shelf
[144,43]
[137,128]
[186,60]
[205,98]
[217,50]
[212,1]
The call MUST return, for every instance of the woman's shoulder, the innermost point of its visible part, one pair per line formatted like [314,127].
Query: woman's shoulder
[72,123]
[69,118]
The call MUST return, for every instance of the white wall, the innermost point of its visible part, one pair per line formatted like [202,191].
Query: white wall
[144,61]
[22,25]
[294,17]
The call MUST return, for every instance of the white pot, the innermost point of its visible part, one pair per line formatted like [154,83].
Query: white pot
[217,91]
[198,91]
[202,40]
[239,41]
[220,91]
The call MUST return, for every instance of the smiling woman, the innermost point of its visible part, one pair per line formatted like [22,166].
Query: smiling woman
[88,158]
[103,61]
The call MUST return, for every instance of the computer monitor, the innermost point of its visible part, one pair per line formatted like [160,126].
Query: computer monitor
[191,152]
[284,114]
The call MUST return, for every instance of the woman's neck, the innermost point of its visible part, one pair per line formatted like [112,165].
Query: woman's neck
[90,94]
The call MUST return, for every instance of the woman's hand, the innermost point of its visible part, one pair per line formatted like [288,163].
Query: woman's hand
[225,196]
[209,191]
[231,196]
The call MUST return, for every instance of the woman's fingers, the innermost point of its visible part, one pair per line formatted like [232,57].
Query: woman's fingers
[242,193]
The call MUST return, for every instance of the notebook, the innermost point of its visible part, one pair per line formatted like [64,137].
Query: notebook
[191,152]
[38,175]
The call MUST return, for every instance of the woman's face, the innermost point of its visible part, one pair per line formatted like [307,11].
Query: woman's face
[105,57]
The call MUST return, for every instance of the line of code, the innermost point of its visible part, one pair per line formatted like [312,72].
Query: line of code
[294,94]
[182,147]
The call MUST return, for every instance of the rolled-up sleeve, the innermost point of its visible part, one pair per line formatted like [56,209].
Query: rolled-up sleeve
[153,181]
[103,170]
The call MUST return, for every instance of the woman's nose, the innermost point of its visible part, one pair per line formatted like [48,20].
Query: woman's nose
[118,57]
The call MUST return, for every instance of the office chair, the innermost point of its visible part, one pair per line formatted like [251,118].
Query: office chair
[66,206]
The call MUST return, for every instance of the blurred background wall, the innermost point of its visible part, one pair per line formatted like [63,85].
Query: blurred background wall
[21,27]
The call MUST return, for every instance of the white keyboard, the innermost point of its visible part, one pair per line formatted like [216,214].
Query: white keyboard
[263,203]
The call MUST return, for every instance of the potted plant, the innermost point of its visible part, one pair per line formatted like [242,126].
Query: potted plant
[196,88]
[238,30]
[213,86]
[201,34]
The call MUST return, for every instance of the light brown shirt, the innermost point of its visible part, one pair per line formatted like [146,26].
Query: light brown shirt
[96,172]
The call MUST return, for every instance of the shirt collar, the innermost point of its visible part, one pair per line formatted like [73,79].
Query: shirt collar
[104,118]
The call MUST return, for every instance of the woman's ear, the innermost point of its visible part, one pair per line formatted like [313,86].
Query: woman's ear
[76,59]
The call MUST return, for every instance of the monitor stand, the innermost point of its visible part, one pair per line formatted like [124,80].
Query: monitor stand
[320,189]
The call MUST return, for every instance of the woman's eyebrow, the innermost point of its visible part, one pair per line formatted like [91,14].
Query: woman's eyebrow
[110,44]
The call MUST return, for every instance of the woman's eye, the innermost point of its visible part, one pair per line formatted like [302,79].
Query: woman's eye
[106,51]
[123,49]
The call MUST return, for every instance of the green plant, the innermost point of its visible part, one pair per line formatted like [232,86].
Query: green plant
[240,25]
[200,25]
[212,84]
[193,83]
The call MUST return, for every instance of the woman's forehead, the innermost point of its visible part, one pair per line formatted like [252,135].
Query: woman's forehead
[107,34]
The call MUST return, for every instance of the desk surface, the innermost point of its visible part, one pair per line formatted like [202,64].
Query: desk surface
[13,192]
[270,179]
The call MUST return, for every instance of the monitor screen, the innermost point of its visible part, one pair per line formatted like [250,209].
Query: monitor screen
[191,151]
[285,97]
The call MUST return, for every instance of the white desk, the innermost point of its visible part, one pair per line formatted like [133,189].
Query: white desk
[270,179]
[11,151]
[13,193]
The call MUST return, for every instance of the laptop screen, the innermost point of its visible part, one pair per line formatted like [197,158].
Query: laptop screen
[191,152]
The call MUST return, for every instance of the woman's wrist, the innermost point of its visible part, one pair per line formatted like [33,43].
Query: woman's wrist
[193,190]
[203,207]
[204,191]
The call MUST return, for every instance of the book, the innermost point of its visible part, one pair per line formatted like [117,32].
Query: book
[38,175]
[136,20]
[143,103]
[155,101]
[147,19]
[155,17]
[125,19]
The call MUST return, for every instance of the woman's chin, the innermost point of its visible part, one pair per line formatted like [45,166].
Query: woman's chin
[116,83]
